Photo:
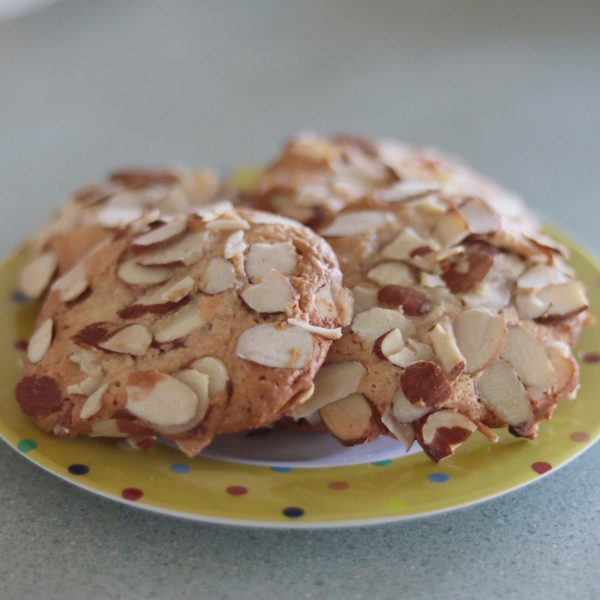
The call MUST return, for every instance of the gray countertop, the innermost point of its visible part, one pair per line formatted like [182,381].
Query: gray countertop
[513,87]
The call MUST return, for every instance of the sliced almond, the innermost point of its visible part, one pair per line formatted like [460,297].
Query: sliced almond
[431,281]
[541,276]
[161,301]
[357,223]
[566,372]
[108,428]
[391,273]
[174,202]
[408,189]
[284,204]
[402,431]
[344,303]
[350,419]
[403,358]
[40,342]
[213,211]
[261,258]
[564,301]
[87,360]
[451,228]
[218,378]
[138,179]
[160,235]
[373,323]
[551,248]
[186,251]
[200,384]
[413,302]
[180,324]
[480,336]
[179,291]
[272,345]
[404,244]
[303,396]
[425,384]
[315,149]
[36,276]
[325,304]
[389,343]
[160,399]
[261,218]
[364,298]
[443,431]
[235,245]
[133,339]
[227,225]
[173,293]
[463,272]
[494,295]
[89,385]
[446,349]
[120,216]
[404,410]
[528,358]
[557,348]
[313,195]
[219,277]
[96,193]
[332,382]
[481,217]
[93,404]
[71,285]
[529,306]
[330,334]
[412,352]
[501,390]
[272,294]
[130,272]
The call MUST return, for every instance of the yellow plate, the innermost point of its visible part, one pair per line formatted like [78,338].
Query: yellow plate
[164,481]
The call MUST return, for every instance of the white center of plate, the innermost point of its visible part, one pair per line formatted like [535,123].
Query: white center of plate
[289,449]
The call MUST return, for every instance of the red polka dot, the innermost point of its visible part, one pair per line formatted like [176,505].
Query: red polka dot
[338,486]
[21,345]
[237,490]
[580,436]
[591,358]
[132,494]
[541,467]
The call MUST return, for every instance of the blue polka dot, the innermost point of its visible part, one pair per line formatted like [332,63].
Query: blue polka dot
[180,468]
[79,469]
[382,463]
[19,297]
[293,512]
[282,469]
[438,477]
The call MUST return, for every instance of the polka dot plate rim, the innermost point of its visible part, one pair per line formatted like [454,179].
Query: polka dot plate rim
[164,481]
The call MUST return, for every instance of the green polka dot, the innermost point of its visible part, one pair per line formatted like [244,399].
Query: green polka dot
[485,449]
[382,463]
[27,445]
[396,505]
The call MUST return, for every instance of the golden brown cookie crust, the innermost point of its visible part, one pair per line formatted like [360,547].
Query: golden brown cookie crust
[451,277]
[199,295]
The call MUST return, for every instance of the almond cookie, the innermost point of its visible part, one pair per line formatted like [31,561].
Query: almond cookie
[465,314]
[187,327]
[82,222]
